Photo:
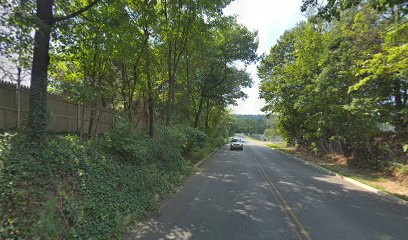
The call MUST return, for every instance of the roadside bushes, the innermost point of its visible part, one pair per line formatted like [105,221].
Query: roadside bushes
[214,140]
[193,143]
[182,137]
[73,188]
[124,141]
[171,142]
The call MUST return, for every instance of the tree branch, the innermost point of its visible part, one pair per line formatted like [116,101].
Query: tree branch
[72,15]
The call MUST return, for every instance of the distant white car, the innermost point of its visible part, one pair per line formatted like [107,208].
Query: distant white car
[236,144]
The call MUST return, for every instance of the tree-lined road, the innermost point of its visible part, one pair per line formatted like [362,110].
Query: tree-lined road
[260,193]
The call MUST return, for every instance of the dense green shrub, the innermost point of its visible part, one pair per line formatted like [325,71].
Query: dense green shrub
[213,142]
[182,137]
[196,138]
[124,140]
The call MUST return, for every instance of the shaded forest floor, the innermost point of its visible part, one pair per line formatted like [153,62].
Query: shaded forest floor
[395,184]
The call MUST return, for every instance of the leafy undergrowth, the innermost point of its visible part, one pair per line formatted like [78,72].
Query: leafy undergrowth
[199,154]
[73,188]
[395,184]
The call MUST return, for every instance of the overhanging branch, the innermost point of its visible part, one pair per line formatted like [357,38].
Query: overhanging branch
[72,15]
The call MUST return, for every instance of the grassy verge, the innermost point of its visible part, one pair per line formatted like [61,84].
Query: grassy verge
[377,180]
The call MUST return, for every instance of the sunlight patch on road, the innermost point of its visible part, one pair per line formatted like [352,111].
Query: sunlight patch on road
[227,178]
[179,233]
[287,183]
[143,229]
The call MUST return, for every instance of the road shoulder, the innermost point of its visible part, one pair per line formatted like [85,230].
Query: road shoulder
[382,193]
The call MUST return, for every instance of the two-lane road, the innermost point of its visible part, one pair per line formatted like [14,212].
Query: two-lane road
[259,193]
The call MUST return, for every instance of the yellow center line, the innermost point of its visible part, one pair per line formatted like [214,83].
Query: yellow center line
[299,229]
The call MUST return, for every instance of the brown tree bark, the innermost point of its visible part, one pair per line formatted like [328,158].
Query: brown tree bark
[198,113]
[172,79]
[151,105]
[400,118]
[93,121]
[38,114]
[207,115]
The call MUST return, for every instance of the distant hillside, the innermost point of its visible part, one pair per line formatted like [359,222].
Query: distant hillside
[249,116]
[250,123]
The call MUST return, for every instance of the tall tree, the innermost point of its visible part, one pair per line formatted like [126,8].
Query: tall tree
[338,82]
[178,21]
[38,116]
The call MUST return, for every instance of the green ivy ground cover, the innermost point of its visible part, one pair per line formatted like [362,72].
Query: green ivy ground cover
[73,188]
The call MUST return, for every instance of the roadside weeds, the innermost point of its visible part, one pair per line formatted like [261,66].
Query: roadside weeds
[205,158]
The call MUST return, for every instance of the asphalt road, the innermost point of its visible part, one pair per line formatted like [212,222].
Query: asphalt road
[259,193]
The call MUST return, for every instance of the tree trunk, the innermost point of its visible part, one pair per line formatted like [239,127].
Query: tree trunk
[151,104]
[170,96]
[132,90]
[93,121]
[145,109]
[18,95]
[207,115]
[198,114]
[400,124]
[38,114]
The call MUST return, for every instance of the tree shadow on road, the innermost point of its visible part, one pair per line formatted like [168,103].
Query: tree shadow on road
[230,199]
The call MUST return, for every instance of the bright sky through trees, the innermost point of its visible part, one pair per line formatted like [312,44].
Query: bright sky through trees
[271,18]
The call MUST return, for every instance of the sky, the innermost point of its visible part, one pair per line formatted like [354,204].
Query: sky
[270,18]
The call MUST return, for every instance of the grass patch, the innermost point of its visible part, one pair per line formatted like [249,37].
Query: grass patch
[280,146]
